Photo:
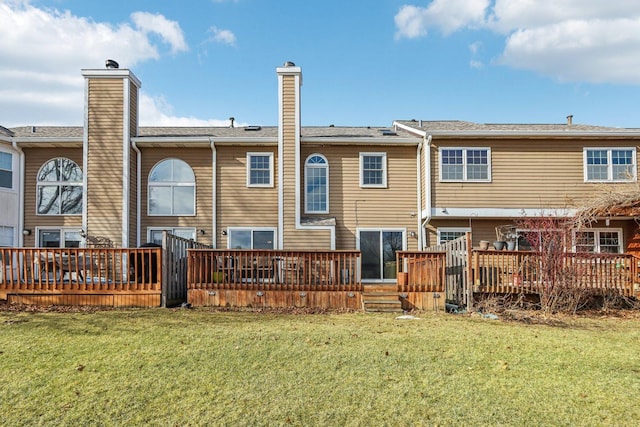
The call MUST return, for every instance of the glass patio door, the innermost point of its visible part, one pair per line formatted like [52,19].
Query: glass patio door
[378,248]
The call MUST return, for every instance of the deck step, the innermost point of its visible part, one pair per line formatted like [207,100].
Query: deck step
[383,300]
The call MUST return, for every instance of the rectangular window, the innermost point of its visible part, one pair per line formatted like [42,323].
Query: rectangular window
[373,170]
[446,234]
[155,234]
[6,171]
[59,238]
[609,164]
[607,241]
[259,169]
[6,236]
[465,164]
[251,238]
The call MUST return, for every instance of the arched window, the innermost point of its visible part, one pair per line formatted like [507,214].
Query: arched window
[59,188]
[172,189]
[316,184]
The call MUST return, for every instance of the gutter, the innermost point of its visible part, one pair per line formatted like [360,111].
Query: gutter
[214,201]
[418,191]
[426,213]
[139,191]
[427,160]
[20,194]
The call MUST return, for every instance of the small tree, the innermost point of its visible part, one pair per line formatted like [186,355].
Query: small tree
[557,277]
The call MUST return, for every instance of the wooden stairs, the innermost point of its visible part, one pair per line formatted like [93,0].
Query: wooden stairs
[381,298]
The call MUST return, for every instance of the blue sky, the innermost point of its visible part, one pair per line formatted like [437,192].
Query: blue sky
[363,62]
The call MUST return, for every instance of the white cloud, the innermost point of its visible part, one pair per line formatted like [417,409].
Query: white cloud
[168,30]
[155,111]
[570,40]
[222,36]
[40,78]
[447,15]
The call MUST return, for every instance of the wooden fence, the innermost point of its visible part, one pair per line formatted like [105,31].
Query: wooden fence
[274,278]
[421,271]
[81,276]
[529,272]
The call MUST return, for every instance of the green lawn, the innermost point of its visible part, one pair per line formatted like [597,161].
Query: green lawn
[198,367]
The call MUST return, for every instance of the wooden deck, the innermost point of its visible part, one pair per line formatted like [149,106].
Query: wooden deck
[527,272]
[81,276]
[148,277]
[271,278]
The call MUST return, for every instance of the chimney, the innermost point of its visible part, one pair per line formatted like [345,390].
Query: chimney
[569,120]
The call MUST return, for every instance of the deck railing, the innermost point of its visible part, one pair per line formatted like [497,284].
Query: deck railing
[528,272]
[236,269]
[421,271]
[80,269]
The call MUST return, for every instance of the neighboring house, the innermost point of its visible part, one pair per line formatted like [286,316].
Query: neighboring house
[485,176]
[377,189]
[10,190]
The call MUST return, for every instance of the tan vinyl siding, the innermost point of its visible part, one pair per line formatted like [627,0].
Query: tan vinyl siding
[200,160]
[105,158]
[237,204]
[525,174]
[382,208]
[133,167]
[34,159]
[133,109]
[293,239]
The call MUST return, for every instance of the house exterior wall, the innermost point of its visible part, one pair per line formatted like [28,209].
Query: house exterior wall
[239,205]
[10,197]
[294,238]
[199,159]
[534,174]
[372,209]
[133,168]
[105,158]
[35,158]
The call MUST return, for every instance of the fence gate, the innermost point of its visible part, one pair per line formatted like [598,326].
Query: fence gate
[457,286]
[174,267]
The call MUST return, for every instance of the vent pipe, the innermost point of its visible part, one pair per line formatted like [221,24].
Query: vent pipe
[232,120]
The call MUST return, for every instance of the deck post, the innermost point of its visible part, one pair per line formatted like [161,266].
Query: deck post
[468,281]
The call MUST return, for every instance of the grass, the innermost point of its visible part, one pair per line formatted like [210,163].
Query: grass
[199,367]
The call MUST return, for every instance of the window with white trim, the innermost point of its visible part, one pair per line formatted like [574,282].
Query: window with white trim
[609,164]
[446,234]
[259,169]
[598,240]
[59,188]
[316,184]
[251,238]
[373,170]
[465,164]
[172,189]
[154,234]
[6,170]
[6,236]
[59,237]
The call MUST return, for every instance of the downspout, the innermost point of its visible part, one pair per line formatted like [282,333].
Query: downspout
[214,183]
[427,166]
[20,194]
[419,191]
[138,192]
